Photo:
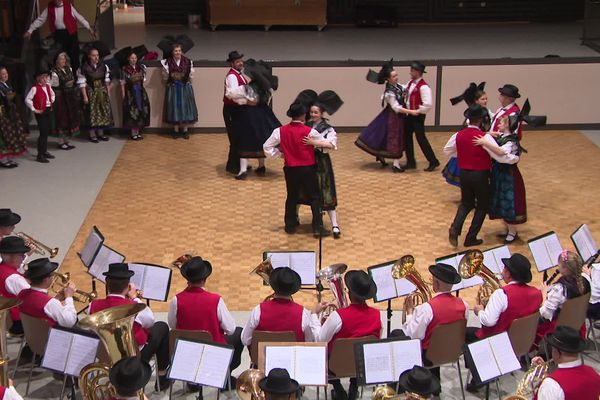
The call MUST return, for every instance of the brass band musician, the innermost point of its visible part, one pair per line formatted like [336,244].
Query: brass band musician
[8,220]
[13,252]
[278,385]
[128,376]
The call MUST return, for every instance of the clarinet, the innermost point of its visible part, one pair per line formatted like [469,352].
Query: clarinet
[552,277]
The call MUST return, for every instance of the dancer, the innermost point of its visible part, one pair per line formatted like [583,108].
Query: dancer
[384,136]
[136,105]
[233,98]
[508,95]
[67,103]
[39,100]
[13,141]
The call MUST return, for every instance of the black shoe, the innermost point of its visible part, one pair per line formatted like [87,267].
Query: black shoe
[321,232]
[164,383]
[336,232]
[410,166]
[186,135]
[382,161]
[473,387]
[338,393]
[63,146]
[104,138]
[7,165]
[175,135]
[510,238]
[42,159]
[353,390]
[397,169]
[432,166]
[291,229]
[94,140]
[70,146]
[242,176]
[473,242]
[261,171]
[232,170]
[453,237]
[48,156]
[192,388]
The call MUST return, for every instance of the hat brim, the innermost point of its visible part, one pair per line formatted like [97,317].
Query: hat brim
[119,275]
[132,385]
[275,284]
[554,343]
[13,219]
[435,271]
[24,249]
[292,387]
[41,272]
[205,273]
[513,95]
[434,385]
[517,275]
[350,278]
[230,59]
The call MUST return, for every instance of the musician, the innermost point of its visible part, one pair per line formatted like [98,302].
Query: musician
[36,302]
[356,320]
[593,311]
[8,220]
[572,379]
[152,336]
[232,99]
[281,313]
[278,385]
[13,252]
[419,381]
[128,376]
[9,393]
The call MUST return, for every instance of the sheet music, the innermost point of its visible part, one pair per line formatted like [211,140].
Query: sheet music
[156,282]
[386,287]
[82,352]
[214,366]
[483,358]
[105,256]
[454,260]
[305,264]
[138,277]
[311,365]
[505,355]
[554,248]
[540,255]
[492,258]
[584,241]
[186,361]
[92,243]
[407,354]
[279,357]
[378,363]
[279,259]
[57,350]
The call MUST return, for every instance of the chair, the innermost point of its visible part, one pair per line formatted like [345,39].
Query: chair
[591,330]
[446,346]
[342,360]
[268,336]
[522,334]
[175,334]
[572,314]
[36,336]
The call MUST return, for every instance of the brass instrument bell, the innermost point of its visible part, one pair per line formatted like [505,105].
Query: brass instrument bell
[472,264]
[247,385]
[37,246]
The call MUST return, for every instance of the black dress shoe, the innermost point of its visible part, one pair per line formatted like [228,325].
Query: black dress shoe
[290,229]
[186,135]
[511,238]
[336,232]
[63,146]
[473,242]
[104,138]
[473,387]
[432,166]
[192,388]
[42,159]
[232,170]
[70,146]
[261,171]
[321,232]
[397,169]
[94,140]
[48,156]
[164,384]
[453,237]
[382,161]
[410,166]
[242,176]
[6,165]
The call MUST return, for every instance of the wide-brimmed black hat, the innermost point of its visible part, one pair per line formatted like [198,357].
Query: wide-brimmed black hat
[234,55]
[118,271]
[419,66]
[384,72]
[566,339]
[360,284]
[474,111]
[8,218]
[419,380]
[130,374]
[285,281]
[468,96]
[445,273]
[13,245]
[519,267]
[510,91]
[40,268]
[296,110]
[196,269]
[278,382]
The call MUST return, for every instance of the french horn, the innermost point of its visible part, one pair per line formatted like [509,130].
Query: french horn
[405,268]
[334,277]
[472,264]
[179,261]
[247,385]
[384,392]
[530,382]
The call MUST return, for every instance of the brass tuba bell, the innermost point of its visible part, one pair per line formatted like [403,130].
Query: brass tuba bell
[530,382]
[264,270]
[384,392]
[5,305]
[471,265]
[405,268]
[247,385]
[179,261]
[334,277]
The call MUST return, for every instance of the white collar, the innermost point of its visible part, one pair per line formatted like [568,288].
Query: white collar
[115,295]
[37,289]
[570,364]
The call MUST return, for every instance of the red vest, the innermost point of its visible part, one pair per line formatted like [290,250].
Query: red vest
[33,303]
[280,315]
[523,300]
[197,311]
[358,320]
[140,333]
[68,18]
[469,155]
[446,310]
[241,82]
[578,383]
[2,390]
[414,98]
[6,271]
[296,153]
[511,110]
[40,99]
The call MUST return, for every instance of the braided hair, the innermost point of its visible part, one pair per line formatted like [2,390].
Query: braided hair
[573,263]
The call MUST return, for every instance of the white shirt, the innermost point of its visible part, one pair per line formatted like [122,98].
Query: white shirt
[550,389]
[270,146]
[223,315]
[507,158]
[594,281]
[499,113]
[59,22]
[392,101]
[49,97]
[82,81]
[64,315]
[165,70]
[556,297]
[310,326]
[54,80]
[330,135]
[15,283]
[425,92]
[233,90]
[416,324]
[497,304]
[11,394]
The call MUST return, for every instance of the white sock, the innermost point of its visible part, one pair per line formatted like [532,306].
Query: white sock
[243,165]
[333,217]
[397,163]
[92,133]
[261,162]
[184,129]
[176,128]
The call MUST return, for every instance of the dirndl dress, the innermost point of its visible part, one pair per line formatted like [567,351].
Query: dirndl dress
[13,140]
[180,103]
[67,103]
[451,172]
[136,104]
[98,112]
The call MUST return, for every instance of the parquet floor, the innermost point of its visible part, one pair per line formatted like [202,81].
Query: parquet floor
[165,197]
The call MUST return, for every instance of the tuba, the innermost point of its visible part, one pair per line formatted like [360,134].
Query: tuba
[405,268]
[264,270]
[530,382]
[384,392]
[247,385]
[60,281]
[5,305]
[114,326]
[333,276]
[37,246]
[471,265]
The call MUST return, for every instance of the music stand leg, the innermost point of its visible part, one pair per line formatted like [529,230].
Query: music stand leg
[498,388]
[62,389]
[389,317]
[487,391]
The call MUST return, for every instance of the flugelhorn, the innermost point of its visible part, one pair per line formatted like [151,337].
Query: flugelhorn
[471,265]
[247,385]
[37,246]
[5,305]
[405,268]
[530,382]
[333,276]
[60,281]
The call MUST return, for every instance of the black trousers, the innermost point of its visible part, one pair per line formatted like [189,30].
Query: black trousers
[16,328]
[44,123]
[70,45]
[416,124]
[235,340]
[233,158]
[470,336]
[593,311]
[474,194]
[305,179]
[158,343]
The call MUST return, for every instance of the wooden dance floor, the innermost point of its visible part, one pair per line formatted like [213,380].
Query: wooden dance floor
[166,197]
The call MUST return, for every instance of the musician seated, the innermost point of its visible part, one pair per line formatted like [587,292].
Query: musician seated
[128,376]
[8,220]
[356,320]
[9,393]
[36,302]
[13,252]
[151,336]
[419,383]
[572,379]
[593,277]
[279,386]
[281,313]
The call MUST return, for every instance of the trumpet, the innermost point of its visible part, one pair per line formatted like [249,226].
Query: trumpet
[37,246]
[62,280]
[179,261]
[471,265]
[333,276]
[530,382]
[405,268]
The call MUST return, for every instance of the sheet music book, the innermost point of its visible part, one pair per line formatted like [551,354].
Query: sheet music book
[153,280]
[105,256]
[545,250]
[303,262]
[91,247]
[203,363]
[454,260]
[381,361]
[492,357]
[492,258]
[388,287]
[68,351]
[306,364]
[584,242]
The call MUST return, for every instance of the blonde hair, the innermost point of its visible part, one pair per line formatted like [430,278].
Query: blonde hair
[573,263]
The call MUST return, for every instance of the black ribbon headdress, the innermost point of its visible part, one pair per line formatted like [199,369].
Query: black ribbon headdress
[380,77]
[328,99]
[532,120]
[468,96]
[167,42]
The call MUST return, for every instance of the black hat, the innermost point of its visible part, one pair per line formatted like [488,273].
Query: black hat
[278,382]
[196,269]
[234,55]
[382,75]
[130,374]
[419,66]
[13,245]
[8,218]
[519,267]
[328,100]
[419,380]
[510,91]
[474,111]
[118,271]
[360,284]
[445,273]
[285,281]
[296,110]
[40,268]
[566,339]
[166,44]
[469,94]
[41,71]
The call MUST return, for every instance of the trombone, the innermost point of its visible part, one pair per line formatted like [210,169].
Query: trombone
[61,281]
[37,246]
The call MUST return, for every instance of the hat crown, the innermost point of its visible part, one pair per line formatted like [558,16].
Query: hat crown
[360,284]
[567,339]
[13,244]
[419,378]
[196,269]
[285,281]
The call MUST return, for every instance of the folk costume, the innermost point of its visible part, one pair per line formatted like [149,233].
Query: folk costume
[13,140]
[67,104]
[233,98]
[39,100]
